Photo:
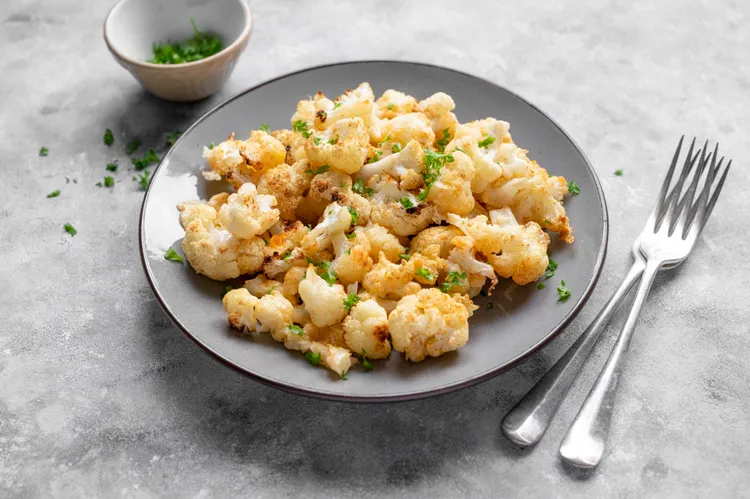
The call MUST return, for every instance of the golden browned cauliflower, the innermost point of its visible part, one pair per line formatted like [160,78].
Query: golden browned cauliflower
[524,249]
[388,280]
[440,235]
[247,214]
[451,192]
[259,286]
[352,257]
[343,147]
[332,186]
[336,220]
[383,241]
[406,127]
[397,210]
[366,330]
[443,122]
[240,307]
[294,145]
[392,103]
[324,302]
[241,161]
[429,322]
[288,184]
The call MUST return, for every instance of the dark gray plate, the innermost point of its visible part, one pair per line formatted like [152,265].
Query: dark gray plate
[519,321]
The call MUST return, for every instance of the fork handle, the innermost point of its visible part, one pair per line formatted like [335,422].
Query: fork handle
[583,445]
[528,420]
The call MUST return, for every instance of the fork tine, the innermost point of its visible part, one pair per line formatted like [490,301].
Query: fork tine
[673,198]
[702,211]
[685,203]
[703,197]
[667,180]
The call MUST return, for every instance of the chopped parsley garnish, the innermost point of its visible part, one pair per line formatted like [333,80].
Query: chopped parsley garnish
[172,137]
[618,173]
[328,275]
[200,46]
[459,150]
[143,179]
[444,140]
[320,170]
[354,214]
[390,106]
[452,279]
[99,184]
[70,229]
[551,267]
[573,188]
[375,157]
[265,128]
[405,256]
[336,105]
[396,148]
[148,159]
[359,187]
[332,141]
[316,140]
[345,375]
[312,358]
[351,235]
[406,203]
[294,328]
[366,364]
[546,221]
[112,167]
[109,181]
[486,142]
[540,286]
[109,139]
[386,139]
[173,256]
[133,146]
[301,127]
[433,162]
[43,151]
[54,194]
[351,300]
[424,273]
[563,293]
[226,290]
[490,306]
[287,255]
[211,145]
[270,290]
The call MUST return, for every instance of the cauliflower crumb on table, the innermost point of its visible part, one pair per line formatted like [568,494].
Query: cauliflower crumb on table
[370,224]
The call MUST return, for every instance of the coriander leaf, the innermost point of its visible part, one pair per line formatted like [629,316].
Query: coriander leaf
[148,159]
[301,127]
[551,267]
[375,157]
[573,188]
[287,255]
[133,146]
[265,128]
[320,170]
[226,290]
[433,162]
[390,106]
[563,293]
[406,203]
[200,46]
[359,187]
[316,140]
[327,275]
[172,137]
[43,151]
[444,140]
[312,358]
[396,148]
[540,286]
[143,179]
[109,181]
[487,141]
[459,150]
[452,279]
[618,173]
[112,167]
[546,222]
[351,300]
[109,139]
[386,139]
[345,375]
[354,214]
[490,306]
[337,105]
[405,256]
[70,229]
[54,194]
[331,141]
[173,256]
[366,364]
[351,235]
[424,274]
[211,146]
[294,328]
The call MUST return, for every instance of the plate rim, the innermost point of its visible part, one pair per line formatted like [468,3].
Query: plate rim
[406,396]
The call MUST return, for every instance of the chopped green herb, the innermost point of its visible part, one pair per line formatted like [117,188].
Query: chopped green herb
[148,159]
[173,256]
[312,358]
[70,229]
[351,300]
[540,286]
[563,293]
[337,105]
[211,145]
[451,280]
[359,187]
[459,150]
[354,214]
[287,255]
[444,140]
[424,274]
[112,167]
[54,194]
[406,203]
[99,184]
[390,106]
[143,179]
[618,173]
[386,139]
[405,256]
[200,46]
[301,127]
[551,267]
[396,148]
[487,141]
[109,181]
[328,275]
[573,188]
[133,146]
[265,128]
[490,306]
[226,290]
[375,157]
[109,139]
[351,235]
[172,137]
[320,170]
[316,140]
[331,141]
[546,222]
[433,162]
[294,328]
[43,151]
[366,364]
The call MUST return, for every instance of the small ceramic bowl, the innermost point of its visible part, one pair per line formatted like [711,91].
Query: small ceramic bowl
[133,26]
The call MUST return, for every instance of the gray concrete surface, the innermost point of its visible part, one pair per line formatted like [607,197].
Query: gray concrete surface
[101,397]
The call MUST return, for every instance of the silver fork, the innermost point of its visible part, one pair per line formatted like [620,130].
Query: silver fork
[668,238]
[527,422]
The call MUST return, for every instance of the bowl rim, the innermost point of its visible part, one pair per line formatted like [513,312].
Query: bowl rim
[406,396]
[241,39]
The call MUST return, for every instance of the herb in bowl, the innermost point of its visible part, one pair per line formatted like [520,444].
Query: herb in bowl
[200,46]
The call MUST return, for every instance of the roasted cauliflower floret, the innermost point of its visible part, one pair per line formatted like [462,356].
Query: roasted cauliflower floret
[343,147]
[392,103]
[292,278]
[464,256]
[240,307]
[218,254]
[486,170]
[294,145]
[274,312]
[288,184]
[336,220]
[247,213]
[388,280]
[196,210]
[441,235]
[429,322]
[324,302]
[289,238]
[410,160]
[259,286]
[352,257]
[241,161]
[427,265]
[410,126]
[381,240]
[400,220]
[443,122]
[332,186]
[451,192]
[524,249]
[366,330]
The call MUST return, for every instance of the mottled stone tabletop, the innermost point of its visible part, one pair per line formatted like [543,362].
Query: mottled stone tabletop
[100,396]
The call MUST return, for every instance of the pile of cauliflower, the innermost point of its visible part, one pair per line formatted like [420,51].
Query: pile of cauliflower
[370,224]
